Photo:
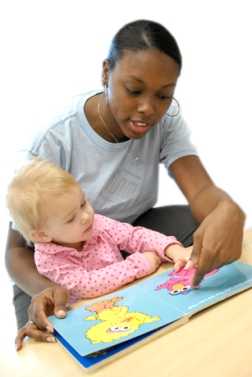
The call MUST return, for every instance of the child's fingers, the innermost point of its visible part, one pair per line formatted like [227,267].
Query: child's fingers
[180,263]
[189,264]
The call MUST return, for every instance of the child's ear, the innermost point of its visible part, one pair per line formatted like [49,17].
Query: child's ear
[39,236]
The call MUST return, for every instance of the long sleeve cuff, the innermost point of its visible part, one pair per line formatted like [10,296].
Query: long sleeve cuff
[163,243]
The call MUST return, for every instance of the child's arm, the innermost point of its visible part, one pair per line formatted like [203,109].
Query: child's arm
[87,284]
[180,256]
[138,239]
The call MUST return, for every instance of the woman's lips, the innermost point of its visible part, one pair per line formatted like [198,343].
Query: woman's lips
[139,127]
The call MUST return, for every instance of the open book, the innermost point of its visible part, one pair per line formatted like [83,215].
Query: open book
[99,331]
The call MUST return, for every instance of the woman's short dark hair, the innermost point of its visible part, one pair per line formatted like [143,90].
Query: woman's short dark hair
[142,35]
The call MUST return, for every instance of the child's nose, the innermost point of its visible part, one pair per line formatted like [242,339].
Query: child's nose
[84,218]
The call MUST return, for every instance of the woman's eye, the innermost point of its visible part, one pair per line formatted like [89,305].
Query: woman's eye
[163,97]
[134,92]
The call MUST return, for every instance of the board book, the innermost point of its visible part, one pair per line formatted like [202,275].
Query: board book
[97,332]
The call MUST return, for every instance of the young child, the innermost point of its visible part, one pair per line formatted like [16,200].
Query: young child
[76,248]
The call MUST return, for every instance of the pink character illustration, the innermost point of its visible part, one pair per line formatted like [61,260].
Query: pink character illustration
[180,282]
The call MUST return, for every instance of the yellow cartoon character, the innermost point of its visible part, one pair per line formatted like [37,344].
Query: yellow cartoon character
[116,321]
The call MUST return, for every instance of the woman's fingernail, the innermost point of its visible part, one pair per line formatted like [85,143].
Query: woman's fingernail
[50,339]
[61,313]
[49,329]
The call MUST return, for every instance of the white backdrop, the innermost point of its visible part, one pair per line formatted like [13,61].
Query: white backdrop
[52,50]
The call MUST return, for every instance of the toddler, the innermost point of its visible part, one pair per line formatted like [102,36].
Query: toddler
[76,248]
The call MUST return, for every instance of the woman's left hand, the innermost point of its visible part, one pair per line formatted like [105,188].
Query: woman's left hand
[218,240]
[31,330]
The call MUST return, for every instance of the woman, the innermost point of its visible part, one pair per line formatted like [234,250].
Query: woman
[113,142]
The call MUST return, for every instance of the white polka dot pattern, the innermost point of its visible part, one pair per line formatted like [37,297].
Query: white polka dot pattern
[99,267]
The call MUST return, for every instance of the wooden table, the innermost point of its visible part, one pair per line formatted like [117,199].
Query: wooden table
[216,343]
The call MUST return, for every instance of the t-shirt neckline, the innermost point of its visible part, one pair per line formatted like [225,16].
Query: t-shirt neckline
[90,132]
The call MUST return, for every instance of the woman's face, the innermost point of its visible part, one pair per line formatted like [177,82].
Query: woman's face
[140,90]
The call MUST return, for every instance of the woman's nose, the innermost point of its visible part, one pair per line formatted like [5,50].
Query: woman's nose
[146,106]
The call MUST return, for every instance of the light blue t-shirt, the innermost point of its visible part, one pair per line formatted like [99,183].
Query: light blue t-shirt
[120,180]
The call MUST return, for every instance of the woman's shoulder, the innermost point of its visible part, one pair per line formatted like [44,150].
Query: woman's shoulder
[70,115]
[172,128]
[66,125]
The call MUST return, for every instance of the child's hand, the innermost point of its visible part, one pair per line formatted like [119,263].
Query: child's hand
[153,260]
[180,256]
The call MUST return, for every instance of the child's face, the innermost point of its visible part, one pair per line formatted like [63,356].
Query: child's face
[70,218]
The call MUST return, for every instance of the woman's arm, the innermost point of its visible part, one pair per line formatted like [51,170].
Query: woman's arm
[21,267]
[48,298]
[218,240]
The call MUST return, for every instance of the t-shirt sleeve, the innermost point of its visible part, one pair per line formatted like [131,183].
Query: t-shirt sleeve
[53,145]
[175,140]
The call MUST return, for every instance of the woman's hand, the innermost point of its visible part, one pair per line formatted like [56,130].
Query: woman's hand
[51,301]
[218,240]
[31,330]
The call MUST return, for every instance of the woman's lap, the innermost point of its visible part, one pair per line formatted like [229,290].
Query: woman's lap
[170,220]
[21,302]
[174,220]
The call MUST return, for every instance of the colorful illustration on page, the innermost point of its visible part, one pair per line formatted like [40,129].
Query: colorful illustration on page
[180,282]
[115,321]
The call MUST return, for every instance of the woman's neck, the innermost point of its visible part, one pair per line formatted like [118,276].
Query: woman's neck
[101,120]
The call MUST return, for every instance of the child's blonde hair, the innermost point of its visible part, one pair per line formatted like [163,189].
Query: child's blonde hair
[30,190]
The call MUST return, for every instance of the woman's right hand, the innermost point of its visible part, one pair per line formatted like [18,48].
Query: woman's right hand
[51,301]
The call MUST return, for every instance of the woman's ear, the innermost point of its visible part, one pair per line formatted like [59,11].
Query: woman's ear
[37,235]
[105,73]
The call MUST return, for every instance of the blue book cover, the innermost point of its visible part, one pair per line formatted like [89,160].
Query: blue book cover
[109,325]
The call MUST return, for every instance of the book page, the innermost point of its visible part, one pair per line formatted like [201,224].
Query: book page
[139,309]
